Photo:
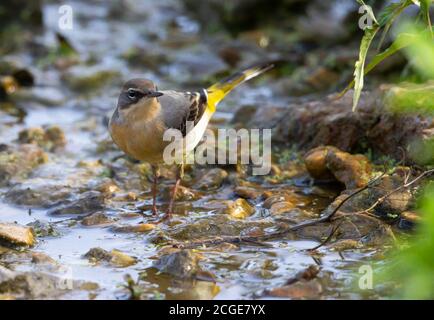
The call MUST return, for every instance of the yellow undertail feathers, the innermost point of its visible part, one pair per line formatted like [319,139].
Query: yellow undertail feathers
[219,90]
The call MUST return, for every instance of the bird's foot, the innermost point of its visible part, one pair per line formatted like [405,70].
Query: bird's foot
[166,217]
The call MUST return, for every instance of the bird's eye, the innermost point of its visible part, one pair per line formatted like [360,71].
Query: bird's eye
[132,94]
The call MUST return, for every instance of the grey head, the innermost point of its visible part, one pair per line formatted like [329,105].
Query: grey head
[135,91]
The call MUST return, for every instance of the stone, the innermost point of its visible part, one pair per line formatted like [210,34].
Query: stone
[409,219]
[48,138]
[390,207]
[6,274]
[42,258]
[330,121]
[326,162]
[181,264]
[281,207]
[114,257]
[136,228]
[353,171]
[247,192]
[239,209]
[86,81]
[36,285]
[315,162]
[43,228]
[38,193]
[182,193]
[88,202]
[299,290]
[19,161]
[96,219]
[16,235]
[211,179]
[214,226]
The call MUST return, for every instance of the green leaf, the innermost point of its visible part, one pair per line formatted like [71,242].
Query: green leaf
[424,8]
[388,16]
[369,10]
[360,64]
[402,40]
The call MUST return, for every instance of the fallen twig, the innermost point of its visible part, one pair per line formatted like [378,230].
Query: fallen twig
[327,239]
[403,186]
[274,235]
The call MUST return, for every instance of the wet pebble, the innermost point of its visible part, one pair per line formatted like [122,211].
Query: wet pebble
[49,138]
[44,228]
[88,202]
[409,219]
[299,290]
[247,192]
[96,219]
[15,234]
[113,257]
[136,228]
[181,264]
[38,193]
[19,161]
[211,179]
[239,208]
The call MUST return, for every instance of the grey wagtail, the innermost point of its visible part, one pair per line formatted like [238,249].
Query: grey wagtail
[143,114]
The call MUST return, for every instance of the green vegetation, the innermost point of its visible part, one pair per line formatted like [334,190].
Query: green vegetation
[411,35]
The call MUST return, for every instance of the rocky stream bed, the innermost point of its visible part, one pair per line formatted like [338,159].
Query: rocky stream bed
[75,213]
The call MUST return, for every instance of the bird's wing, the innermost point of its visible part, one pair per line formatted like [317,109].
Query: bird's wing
[180,107]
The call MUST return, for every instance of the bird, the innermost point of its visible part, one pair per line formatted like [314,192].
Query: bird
[143,113]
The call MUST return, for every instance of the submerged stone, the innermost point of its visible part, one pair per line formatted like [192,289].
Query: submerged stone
[88,202]
[19,161]
[181,264]
[239,208]
[211,179]
[96,219]
[48,138]
[114,257]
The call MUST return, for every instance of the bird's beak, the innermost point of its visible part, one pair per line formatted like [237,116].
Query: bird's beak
[155,94]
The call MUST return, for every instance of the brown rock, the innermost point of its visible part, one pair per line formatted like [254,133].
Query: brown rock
[352,170]
[211,179]
[42,258]
[16,234]
[181,264]
[315,161]
[247,192]
[88,202]
[19,161]
[95,219]
[49,138]
[137,228]
[182,193]
[239,209]
[281,207]
[299,290]
[411,216]
[326,162]
[114,257]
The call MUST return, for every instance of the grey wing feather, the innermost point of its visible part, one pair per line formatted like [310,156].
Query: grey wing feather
[180,107]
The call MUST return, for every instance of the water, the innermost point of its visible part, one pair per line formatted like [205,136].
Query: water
[241,272]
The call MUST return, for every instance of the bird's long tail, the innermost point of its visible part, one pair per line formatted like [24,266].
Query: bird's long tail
[219,90]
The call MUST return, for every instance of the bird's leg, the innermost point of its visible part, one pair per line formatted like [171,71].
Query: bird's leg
[156,174]
[179,174]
